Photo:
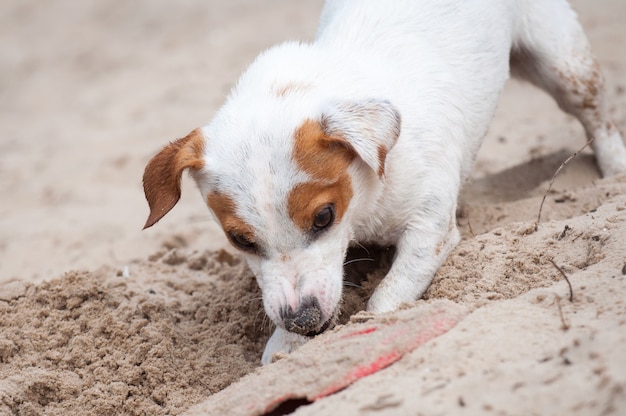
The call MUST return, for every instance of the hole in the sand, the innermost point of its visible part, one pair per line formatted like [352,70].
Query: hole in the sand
[288,406]
[362,261]
[364,268]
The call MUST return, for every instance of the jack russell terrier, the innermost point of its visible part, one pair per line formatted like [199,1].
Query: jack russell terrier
[365,135]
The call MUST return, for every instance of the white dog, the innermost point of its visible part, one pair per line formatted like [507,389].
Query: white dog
[366,135]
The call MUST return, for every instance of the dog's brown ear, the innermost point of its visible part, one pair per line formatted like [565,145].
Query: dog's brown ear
[162,177]
[370,127]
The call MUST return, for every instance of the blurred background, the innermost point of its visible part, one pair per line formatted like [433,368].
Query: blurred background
[89,91]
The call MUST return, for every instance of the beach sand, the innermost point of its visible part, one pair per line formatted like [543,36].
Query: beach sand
[99,317]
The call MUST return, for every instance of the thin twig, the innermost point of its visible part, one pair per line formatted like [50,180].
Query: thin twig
[469,224]
[565,326]
[571,291]
[554,177]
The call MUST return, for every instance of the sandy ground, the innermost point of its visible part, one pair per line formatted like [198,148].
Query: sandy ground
[98,317]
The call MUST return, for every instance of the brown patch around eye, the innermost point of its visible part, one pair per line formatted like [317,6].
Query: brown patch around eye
[306,199]
[225,210]
[326,160]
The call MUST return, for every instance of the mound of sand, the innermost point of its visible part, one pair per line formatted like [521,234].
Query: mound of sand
[94,342]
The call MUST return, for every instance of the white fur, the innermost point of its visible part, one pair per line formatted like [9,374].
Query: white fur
[441,66]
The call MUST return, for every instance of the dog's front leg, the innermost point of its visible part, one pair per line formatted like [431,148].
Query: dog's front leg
[283,342]
[420,252]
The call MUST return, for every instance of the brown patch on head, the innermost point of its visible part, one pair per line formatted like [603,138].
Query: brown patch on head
[225,210]
[289,88]
[162,176]
[382,156]
[326,159]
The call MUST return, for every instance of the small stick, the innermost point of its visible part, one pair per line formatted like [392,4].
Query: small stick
[565,326]
[469,224]
[554,177]
[571,292]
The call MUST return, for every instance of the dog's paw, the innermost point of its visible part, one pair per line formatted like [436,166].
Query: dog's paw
[281,342]
[613,167]
[384,301]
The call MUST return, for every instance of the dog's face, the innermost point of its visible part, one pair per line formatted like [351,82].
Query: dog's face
[285,193]
[285,208]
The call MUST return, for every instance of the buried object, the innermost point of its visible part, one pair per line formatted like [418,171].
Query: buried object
[334,360]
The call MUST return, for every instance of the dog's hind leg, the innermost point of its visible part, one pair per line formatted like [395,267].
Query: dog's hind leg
[551,51]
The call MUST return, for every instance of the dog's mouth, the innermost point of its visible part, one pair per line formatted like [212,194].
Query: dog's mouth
[305,321]
[323,328]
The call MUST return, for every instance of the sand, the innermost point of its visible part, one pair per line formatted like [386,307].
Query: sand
[98,317]
[98,343]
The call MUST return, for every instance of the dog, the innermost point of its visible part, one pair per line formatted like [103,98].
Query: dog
[365,135]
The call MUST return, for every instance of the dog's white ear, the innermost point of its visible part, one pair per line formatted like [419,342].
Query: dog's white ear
[162,176]
[369,127]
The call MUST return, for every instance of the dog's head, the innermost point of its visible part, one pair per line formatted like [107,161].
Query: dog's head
[286,189]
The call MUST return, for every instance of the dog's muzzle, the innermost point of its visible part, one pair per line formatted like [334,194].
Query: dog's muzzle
[306,320]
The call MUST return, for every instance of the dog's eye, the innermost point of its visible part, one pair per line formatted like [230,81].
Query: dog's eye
[243,242]
[324,218]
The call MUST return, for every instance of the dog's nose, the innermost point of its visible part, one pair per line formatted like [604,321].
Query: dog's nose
[306,320]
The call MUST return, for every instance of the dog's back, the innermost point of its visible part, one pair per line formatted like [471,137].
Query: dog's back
[466,51]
